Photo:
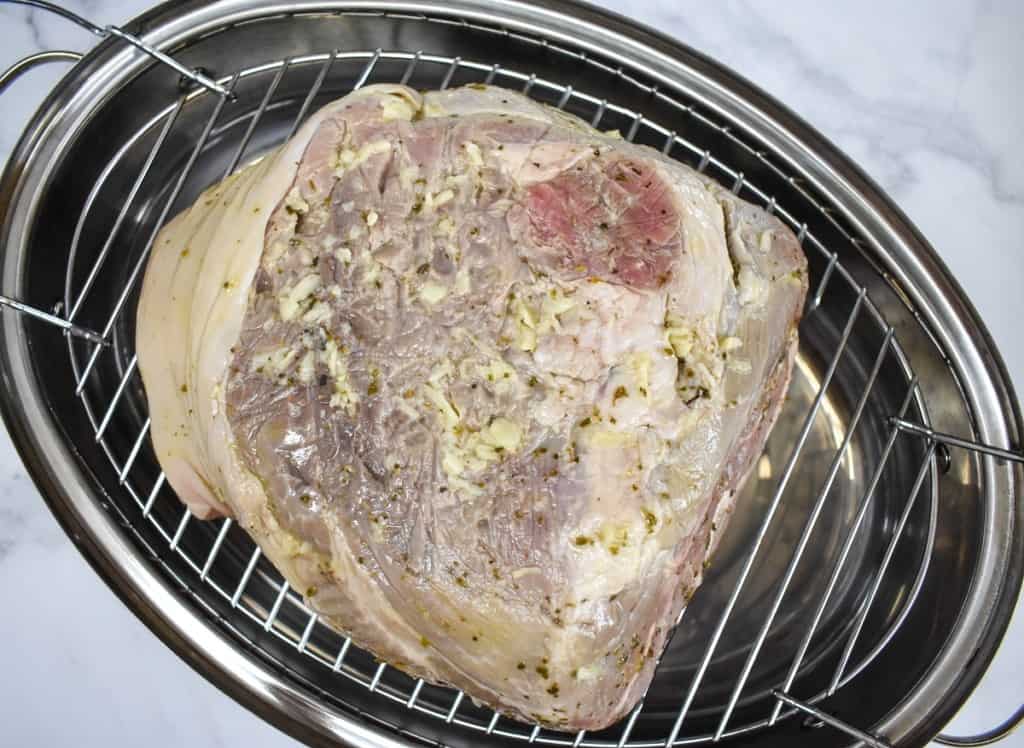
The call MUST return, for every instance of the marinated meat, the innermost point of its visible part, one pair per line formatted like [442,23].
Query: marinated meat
[480,380]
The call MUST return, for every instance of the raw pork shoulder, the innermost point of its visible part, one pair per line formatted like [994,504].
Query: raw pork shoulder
[481,381]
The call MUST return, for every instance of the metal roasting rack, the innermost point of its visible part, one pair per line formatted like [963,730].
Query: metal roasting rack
[262,605]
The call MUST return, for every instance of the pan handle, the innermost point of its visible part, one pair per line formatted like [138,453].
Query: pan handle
[985,738]
[25,64]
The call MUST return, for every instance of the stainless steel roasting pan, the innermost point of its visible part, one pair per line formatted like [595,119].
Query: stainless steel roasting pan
[876,555]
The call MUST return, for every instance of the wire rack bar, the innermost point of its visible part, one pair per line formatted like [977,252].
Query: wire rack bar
[129,201]
[670,141]
[133,455]
[737,184]
[876,585]
[837,568]
[340,659]
[257,552]
[765,523]
[455,707]
[627,730]
[118,393]
[493,723]
[816,301]
[446,81]
[866,737]
[311,94]
[377,676]
[217,543]
[819,292]
[565,97]
[243,143]
[801,546]
[416,694]
[141,262]
[148,507]
[365,75]
[195,76]
[407,74]
[307,632]
[956,441]
[272,615]
[52,319]
[705,159]
[182,524]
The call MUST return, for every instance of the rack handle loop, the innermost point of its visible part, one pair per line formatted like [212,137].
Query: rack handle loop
[196,76]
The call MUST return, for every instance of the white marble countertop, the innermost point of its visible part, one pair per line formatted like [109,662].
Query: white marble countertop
[924,94]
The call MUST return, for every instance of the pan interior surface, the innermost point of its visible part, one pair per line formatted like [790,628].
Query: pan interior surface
[855,552]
